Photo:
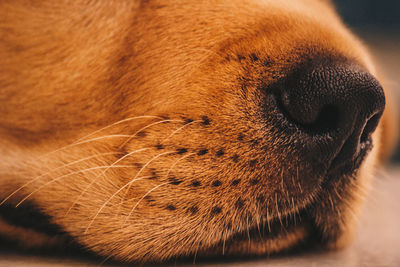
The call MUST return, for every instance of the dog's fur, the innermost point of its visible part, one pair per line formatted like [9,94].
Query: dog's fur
[135,126]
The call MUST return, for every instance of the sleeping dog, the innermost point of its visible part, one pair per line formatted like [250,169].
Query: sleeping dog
[146,130]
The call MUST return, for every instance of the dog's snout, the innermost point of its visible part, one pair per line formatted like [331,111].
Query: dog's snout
[338,102]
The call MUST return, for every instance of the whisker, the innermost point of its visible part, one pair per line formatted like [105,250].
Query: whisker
[179,129]
[103,173]
[86,141]
[195,255]
[105,260]
[277,209]
[258,226]
[69,174]
[337,194]
[176,162]
[210,52]
[350,209]
[166,176]
[112,196]
[137,203]
[128,185]
[268,221]
[79,141]
[248,231]
[60,167]
[128,136]
[294,212]
[144,128]
[223,244]
[147,164]
[119,122]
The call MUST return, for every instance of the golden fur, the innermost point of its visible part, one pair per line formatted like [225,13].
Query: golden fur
[134,126]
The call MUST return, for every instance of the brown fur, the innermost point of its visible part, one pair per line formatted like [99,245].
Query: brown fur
[203,177]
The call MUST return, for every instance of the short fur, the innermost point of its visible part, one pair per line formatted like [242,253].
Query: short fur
[135,126]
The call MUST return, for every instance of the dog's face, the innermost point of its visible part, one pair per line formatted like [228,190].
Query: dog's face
[236,128]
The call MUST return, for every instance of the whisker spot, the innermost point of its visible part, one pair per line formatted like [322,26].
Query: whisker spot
[196,183]
[202,152]
[220,153]
[241,57]
[253,163]
[138,165]
[236,182]
[205,120]
[193,210]
[239,203]
[149,199]
[235,158]
[217,183]
[187,120]
[159,146]
[254,57]
[254,181]
[216,210]
[171,207]
[181,150]
[142,134]
[254,142]
[174,181]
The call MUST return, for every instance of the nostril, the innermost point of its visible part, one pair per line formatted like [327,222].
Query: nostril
[327,120]
[312,118]
[370,127]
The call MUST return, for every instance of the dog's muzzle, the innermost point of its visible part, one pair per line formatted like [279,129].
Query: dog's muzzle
[333,107]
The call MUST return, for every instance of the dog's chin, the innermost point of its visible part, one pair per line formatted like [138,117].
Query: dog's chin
[301,228]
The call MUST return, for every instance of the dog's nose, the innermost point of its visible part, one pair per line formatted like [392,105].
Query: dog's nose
[338,103]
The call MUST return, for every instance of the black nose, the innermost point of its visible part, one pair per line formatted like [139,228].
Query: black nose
[340,103]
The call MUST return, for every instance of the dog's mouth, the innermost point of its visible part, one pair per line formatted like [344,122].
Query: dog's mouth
[281,235]
[297,228]
[291,233]
[338,169]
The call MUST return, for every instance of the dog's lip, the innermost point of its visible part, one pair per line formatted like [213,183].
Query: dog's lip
[349,167]
[286,223]
[266,231]
[261,232]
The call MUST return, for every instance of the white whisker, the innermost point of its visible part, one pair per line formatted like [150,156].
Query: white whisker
[119,122]
[87,141]
[112,196]
[166,176]
[145,127]
[179,129]
[137,203]
[69,174]
[60,167]
[176,162]
[103,173]
[147,164]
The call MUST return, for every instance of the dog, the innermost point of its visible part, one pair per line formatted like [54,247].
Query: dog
[150,130]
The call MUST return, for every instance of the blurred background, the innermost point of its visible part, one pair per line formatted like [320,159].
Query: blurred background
[378,24]
[384,14]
